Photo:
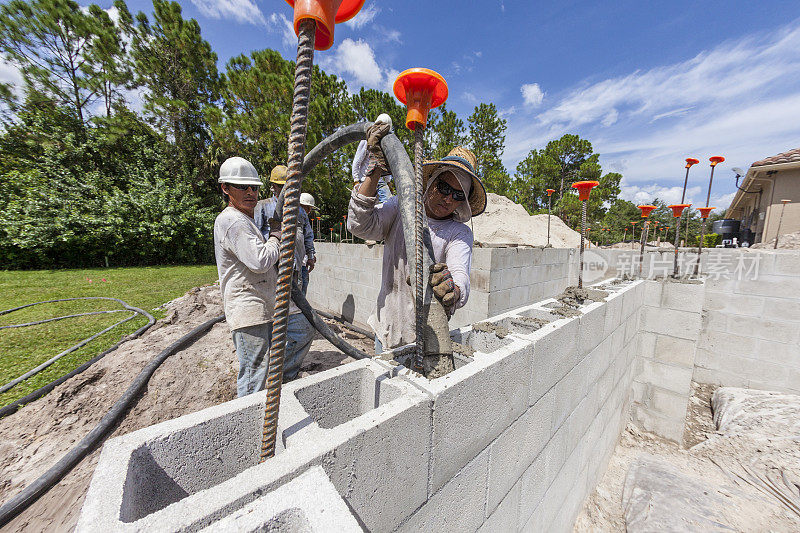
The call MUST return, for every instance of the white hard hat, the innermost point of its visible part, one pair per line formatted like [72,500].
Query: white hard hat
[307,199]
[238,170]
[386,119]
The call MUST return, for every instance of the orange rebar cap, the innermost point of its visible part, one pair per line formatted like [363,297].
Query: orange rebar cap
[691,161]
[646,209]
[677,209]
[705,211]
[716,159]
[584,188]
[550,192]
[421,89]
[327,13]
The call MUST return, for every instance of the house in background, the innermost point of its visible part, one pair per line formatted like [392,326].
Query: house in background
[757,203]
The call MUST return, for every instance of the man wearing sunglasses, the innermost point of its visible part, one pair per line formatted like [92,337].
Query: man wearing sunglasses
[453,195]
[247,275]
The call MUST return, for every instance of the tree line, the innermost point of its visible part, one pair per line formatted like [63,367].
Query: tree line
[89,179]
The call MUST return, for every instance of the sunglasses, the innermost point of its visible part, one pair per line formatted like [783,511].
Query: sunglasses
[244,187]
[445,189]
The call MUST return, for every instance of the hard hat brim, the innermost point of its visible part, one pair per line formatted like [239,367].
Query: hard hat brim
[240,180]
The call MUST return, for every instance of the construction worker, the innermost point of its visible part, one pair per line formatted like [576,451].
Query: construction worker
[299,332]
[307,204]
[453,195]
[246,263]
[361,162]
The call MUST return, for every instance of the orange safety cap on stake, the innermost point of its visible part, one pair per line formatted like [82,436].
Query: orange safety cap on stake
[584,188]
[716,159]
[550,192]
[646,209]
[677,209]
[691,161]
[421,89]
[327,13]
[705,211]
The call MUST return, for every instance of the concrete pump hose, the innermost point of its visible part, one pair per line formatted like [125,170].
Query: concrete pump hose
[35,490]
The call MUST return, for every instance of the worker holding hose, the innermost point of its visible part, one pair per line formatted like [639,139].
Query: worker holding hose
[247,267]
[453,195]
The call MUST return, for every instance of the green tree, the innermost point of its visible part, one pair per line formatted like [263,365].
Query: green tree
[179,70]
[111,53]
[55,45]
[448,132]
[487,139]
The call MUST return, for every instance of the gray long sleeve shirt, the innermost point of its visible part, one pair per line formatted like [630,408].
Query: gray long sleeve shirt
[393,318]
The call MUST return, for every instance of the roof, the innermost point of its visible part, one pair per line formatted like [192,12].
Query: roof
[792,156]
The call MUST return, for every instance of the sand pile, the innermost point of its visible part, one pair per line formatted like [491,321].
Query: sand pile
[507,223]
[200,376]
[788,241]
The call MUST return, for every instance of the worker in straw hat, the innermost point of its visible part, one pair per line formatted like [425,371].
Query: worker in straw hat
[453,194]
[246,262]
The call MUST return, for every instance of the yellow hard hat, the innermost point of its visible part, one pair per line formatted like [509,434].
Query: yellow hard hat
[278,175]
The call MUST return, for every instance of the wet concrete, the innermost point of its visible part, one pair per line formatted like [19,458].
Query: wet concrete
[488,327]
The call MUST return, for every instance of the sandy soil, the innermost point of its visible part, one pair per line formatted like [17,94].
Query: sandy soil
[202,375]
[754,510]
[788,241]
[507,223]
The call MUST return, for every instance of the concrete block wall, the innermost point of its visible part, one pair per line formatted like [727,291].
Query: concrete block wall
[668,334]
[750,333]
[515,438]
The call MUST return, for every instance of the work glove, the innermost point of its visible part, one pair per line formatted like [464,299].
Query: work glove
[444,288]
[377,159]
[275,228]
[310,263]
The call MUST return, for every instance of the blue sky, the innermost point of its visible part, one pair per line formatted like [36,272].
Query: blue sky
[647,84]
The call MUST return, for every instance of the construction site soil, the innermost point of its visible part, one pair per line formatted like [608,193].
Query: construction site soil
[200,376]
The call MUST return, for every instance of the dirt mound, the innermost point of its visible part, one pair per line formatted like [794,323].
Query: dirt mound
[788,241]
[507,223]
[200,376]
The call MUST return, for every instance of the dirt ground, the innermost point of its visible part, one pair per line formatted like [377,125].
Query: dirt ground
[703,450]
[202,375]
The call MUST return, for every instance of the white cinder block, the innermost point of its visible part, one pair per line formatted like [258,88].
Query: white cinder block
[671,322]
[674,378]
[591,326]
[682,296]
[674,350]
[504,517]
[652,293]
[554,355]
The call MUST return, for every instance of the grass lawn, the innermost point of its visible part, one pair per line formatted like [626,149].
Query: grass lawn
[22,349]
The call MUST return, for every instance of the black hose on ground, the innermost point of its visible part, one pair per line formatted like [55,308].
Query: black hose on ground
[325,330]
[35,490]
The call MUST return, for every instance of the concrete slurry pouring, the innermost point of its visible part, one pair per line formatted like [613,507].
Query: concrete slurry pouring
[401,451]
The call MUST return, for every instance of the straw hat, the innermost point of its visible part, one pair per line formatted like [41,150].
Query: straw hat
[464,160]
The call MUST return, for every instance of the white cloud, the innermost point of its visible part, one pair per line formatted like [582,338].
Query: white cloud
[357,59]
[364,17]
[244,11]
[286,28]
[740,99]
[532,94]
[10,74]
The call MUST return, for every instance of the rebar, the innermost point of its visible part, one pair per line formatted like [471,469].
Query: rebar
[291,194]
[644,241]
[549,200]
[700,248]
[583,226]
[418,258]
[677,236]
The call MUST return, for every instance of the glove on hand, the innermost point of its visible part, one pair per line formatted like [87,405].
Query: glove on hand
[444,288]
[375,133]
[275,228]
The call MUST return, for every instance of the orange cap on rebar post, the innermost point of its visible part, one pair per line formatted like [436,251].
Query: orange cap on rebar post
[705,211]
[716,159]
[327,13]
[677,209]
[421,89]
[550,192]
[691,161]
[584,188]
[646,209]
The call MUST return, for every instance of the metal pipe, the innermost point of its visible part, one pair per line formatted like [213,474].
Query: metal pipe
[291,193]
[644,240]
[549,201]
[418,212]
[583,225]
[677,236]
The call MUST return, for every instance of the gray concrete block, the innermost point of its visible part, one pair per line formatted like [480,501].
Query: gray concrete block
[613,316]
[771,330]
[569,391]
[787,264]
[729,302]
[504,517]
[652,293]
[726,343]
[660,425]
[669,404]
[682,296]
[516,448]
[459,505]
[671,322]
[474,404]
[289,508]
[786,310]
[778,353]
[719,377]
[674,350]
[674,378]
[591,326]
[554,354]
[771,286]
